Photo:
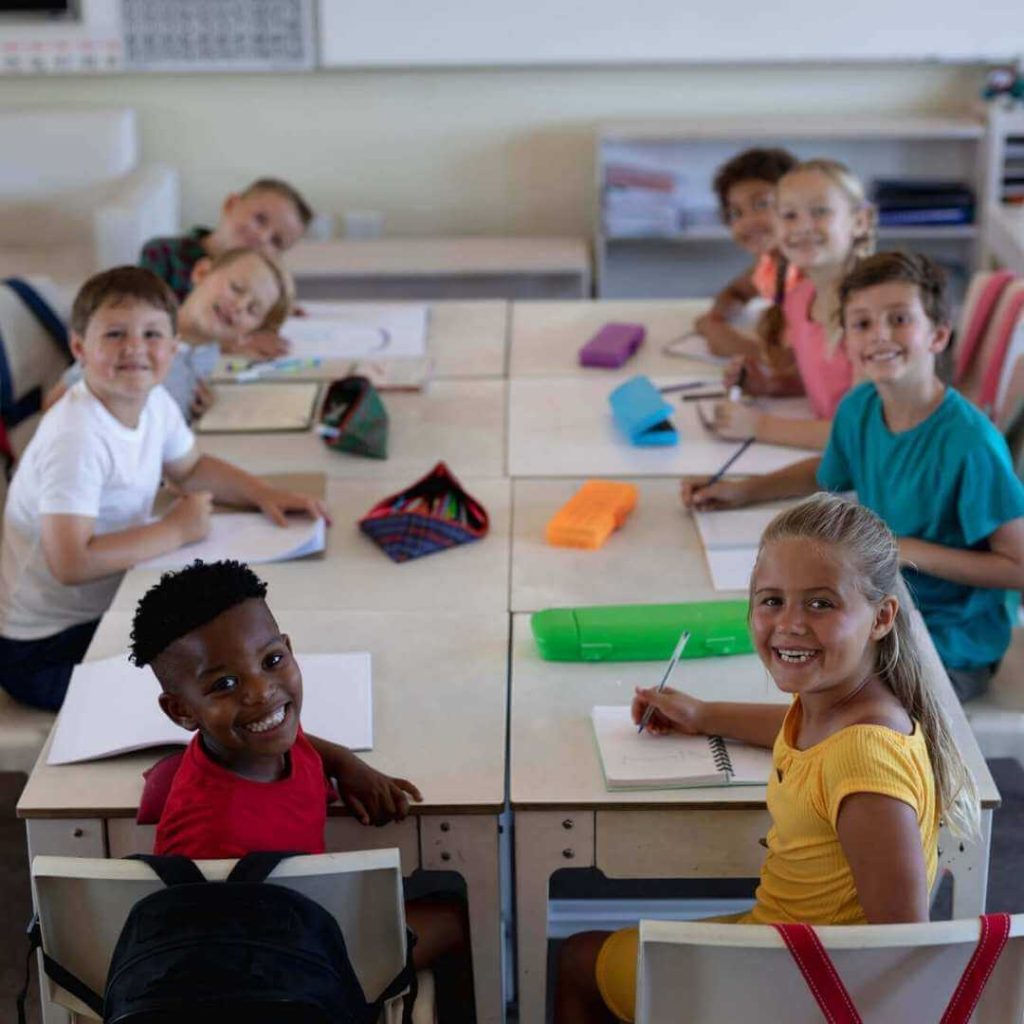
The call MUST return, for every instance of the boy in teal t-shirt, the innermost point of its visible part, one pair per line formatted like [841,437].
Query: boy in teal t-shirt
[922,457]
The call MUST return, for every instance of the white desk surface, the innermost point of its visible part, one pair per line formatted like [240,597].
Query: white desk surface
[563,427]
[465,339]
[1005,235]
[439,692]
[655,557]
[461,422]
[545,337]
[553,755]
[356,575]
[408,257]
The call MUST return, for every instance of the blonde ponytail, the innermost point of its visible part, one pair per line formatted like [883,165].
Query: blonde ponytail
[869,546]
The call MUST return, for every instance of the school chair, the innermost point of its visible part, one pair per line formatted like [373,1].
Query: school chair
[697,971]
[74,195]
[997,717]
[83,903]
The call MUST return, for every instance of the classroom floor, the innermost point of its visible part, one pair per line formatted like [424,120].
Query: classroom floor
[1005,892]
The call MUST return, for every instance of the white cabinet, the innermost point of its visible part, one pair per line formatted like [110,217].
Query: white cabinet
[696,255]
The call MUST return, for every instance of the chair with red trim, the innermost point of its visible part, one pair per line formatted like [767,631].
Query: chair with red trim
[972,345]
[943,972]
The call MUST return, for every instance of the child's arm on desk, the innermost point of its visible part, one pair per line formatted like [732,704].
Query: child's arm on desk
[794,481]
[736,421]
[1001,567]
[724,339]
[234,486]
[74,554]
[372,797]
[758,724]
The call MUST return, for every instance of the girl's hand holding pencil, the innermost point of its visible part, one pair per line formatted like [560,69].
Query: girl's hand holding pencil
[735,421]
[673,711]
[708,495]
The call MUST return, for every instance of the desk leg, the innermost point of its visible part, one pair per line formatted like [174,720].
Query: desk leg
[544,842]
[468,844]
[968,864]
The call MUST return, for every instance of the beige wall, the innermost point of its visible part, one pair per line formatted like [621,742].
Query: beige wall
[471,152]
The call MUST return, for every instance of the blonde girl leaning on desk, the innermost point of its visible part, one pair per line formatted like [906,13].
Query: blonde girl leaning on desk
[825,225]
[864,764]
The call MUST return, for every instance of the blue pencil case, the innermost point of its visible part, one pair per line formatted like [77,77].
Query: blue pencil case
[641,413]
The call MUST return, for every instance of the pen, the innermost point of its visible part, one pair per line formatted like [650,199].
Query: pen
[688,386]
[728,462]
[701,396]
[669,669]
[736,391]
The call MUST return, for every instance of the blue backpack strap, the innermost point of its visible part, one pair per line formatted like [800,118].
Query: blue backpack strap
[42,311]
[173,870]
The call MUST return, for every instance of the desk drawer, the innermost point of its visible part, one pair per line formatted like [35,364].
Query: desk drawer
[66,837]
[344,834]
[681,844]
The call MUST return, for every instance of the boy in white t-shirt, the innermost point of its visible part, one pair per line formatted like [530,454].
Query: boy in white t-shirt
[79,504]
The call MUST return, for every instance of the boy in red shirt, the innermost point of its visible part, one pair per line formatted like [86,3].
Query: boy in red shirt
[251,779]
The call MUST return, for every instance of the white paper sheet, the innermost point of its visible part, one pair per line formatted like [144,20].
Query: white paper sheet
[111,707]
[695,346]
[255,408]
[357,331]
[248,537]
[731,538]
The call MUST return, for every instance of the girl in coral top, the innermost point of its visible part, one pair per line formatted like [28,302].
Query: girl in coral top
[864,764]
[825,224]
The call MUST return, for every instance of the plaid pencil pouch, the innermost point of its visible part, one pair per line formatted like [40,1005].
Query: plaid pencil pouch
[433,514]
[353,418]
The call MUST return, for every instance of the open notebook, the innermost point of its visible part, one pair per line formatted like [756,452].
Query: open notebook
[633,760]
[260,408]
[248,537]
[337,705]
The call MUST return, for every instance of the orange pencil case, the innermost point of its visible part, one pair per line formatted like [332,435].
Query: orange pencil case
[591,515]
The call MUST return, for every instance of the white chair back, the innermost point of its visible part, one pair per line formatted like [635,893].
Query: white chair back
[83,904]
[701,972]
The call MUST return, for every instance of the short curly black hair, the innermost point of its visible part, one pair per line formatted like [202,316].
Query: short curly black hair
[751,165]
[185,600]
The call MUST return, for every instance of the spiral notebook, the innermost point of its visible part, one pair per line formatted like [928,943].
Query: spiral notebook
[633,760]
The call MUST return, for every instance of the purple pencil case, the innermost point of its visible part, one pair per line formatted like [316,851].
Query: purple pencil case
[612,345]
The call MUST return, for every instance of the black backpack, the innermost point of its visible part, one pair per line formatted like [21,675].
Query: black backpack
[243,949]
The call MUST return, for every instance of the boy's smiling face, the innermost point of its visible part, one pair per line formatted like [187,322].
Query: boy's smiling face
[236,681]
[229,302]
[262,219]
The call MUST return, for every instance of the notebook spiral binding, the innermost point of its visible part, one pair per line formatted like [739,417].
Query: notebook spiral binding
[720,754]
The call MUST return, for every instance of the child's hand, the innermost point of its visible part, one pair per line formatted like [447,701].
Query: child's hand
[190,515]
[673,711]
[757,379]
[263,345]
[202,399]
[373,797]
[736,421]
[697,493]
[275,504]
[706,324]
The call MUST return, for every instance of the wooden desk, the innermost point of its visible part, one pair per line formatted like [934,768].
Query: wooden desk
[545,337]
[1004,236]
[442,268]
[439,698]
[563,427]
[464,340]
[355,575]
[566,818]
[459,421]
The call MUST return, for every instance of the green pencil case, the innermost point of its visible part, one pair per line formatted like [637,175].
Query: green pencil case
[641,632]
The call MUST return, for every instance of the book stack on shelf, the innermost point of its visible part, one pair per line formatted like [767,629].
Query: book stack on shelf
[641,202]
[916,202]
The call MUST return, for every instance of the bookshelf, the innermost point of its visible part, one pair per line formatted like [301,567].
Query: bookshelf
[697,256]
[1004,165]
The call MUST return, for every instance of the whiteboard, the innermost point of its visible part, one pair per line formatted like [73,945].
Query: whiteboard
[481,33]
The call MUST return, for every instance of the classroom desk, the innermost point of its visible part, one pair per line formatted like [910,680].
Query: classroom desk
[459,421]
[566,818]
[464,340]
[562,426]
[442,268]
[1004,236]
[355,575]
[545,337]
[439,697]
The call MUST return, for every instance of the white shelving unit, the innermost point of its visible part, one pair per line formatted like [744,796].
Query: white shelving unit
[699,259]
[1003,219]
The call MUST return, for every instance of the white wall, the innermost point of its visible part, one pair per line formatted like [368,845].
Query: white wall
[457,152]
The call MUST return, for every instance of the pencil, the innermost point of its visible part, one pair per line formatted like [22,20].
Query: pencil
[729,461]
[669,669]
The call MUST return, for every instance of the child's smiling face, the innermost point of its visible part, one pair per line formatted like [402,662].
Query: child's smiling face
[229,302]
[236,681]
[813,628]
[817,223]
[749,212]
[889,335]
[263,219]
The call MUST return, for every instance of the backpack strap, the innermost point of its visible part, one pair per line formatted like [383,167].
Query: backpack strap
[820,973]
[995,930]
[981,313]
[56,973]
[42,311]
[256,867]
[404,981]
[172,870]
